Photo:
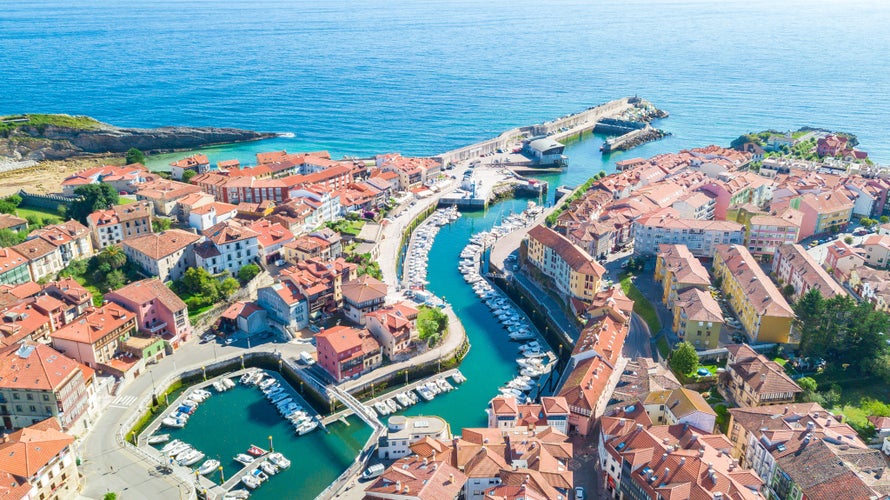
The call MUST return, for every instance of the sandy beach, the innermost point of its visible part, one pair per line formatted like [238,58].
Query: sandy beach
[47,176]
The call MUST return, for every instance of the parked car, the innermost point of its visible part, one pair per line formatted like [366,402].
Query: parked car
[579,493]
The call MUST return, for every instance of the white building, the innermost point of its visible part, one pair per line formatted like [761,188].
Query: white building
[206,216]
[700,236]
[228,247]
[403,431]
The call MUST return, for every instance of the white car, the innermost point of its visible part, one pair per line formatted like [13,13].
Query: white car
[579,493]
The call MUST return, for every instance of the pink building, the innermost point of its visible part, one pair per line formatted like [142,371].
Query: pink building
[766,233]
[796,267]
[158,310]
[345,352]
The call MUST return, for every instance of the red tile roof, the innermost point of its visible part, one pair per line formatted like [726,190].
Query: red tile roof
[30,449]
[159,245]
[95,325]
[34,366]
[576,258]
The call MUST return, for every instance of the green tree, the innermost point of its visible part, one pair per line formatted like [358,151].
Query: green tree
[134,156]
[10,203]
[228,286]
[884,219]
[197,281]
[113,256]
[110,496]
[160,224]
[248,272]
[8,237]
[92,197]
[788,290]
[866,222]
[684,359]
[114,280]
[431,324]
[848,240]
[808,384]
[187,175]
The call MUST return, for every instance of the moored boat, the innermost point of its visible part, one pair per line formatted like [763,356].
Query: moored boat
[208,466]
[159,438]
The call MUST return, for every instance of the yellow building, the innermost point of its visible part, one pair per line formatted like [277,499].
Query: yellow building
[698,319]
[573,271]
[760,306]
[678,270]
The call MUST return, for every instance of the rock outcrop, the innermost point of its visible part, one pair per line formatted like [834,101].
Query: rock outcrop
[54,142]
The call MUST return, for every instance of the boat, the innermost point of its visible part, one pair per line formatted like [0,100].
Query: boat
[192,458]
[173,422]
[176,450]
[268,468]
[245,379]
[159,438]
[403,400]
[521,335]
[444,385]
[238,494]
[458,377]
[279,460]
[219,386]
[208,466]
[424,393]
[256,451]
[392,405]
[185,452]
[257,473]
[382,408]
[433,387]
[228,383]
[266,383]
[307,427]
[243,459]
[169,446]
[250,481]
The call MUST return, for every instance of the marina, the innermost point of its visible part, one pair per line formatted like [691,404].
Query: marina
[417,257]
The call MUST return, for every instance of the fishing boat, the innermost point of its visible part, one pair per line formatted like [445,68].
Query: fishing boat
[159,438]
[243,459]
[279,460]
[256,451]
[208,466]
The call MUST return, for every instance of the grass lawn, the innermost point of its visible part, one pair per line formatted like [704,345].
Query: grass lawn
[344,226]
[642,306]
[126,201]
[781,361]
[98,298]
[41,213]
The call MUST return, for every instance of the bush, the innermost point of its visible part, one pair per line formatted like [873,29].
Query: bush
[248,272]
[684,359]
[431,324]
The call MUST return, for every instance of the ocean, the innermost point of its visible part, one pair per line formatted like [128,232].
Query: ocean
[421,77]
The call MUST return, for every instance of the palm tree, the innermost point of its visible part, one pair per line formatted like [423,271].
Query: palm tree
[114,256]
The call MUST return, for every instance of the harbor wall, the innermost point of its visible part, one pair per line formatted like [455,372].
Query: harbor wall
[587,119]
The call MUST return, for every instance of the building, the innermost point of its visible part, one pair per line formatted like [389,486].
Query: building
[286,307]
[768,232]
[831,145]
[308,247]
[698,319]
[802,451]
[14,267]
[751,379]
[247,317]
[71,238]
[678,270]
[39,462]
[272,238]
[187,203]
[700,236]
[165,195]
[345,352]
[546,151]
[394,327]
[760,307]
[680,406]
[208,215]
[94,339]
[841,259]
[22,321]
[411,172]
[227,247]
[828,212]
[196,163]
[642,461]
[504,412]
[44,258]
[574,272]
[13,223]
[413,478]
[165,255]
[877,250]
[640,377]
[402,432]
[72,293]
[361,296]
[119,223]
[159,312]
[126,179]
[794,266]
[38,382]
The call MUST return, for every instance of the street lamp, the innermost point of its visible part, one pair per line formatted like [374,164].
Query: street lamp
[222,477]
[271,446]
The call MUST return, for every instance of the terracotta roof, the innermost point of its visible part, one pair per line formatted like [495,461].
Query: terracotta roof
[342,338]
[827,202]
[763,375]
[30,449]
[586,383]
[682,402]
[144,291]
[159,245]
[229,231]
[880,423]
[699,305]
[166,190]
[34,366]
[94,325]
[11,259]
[271,233]
[413,477]
[35,249]
[686,268]
[21,320]
[216,206]
[576,258]
[8,221]
[760,291]
[809,271]
[121,213]
[363,289]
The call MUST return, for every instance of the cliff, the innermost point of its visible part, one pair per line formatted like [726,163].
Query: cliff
[57,137]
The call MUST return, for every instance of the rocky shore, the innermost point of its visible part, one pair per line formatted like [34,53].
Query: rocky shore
[59,137]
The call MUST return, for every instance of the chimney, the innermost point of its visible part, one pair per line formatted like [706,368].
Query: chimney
[451,478]
[664,457]
[667,472]
[785,412]
[4,438]
[810,425]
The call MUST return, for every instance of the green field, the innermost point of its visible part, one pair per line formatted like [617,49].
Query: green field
[38,120]
[48,216]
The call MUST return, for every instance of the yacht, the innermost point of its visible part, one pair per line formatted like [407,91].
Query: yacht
[208,467]
[279,460]
[268,468]
[243,459]
[159,438]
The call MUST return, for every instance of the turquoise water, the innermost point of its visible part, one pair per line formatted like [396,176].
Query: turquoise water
[227,424]
[365,76]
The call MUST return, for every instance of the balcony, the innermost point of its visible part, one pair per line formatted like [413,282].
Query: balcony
[156,327]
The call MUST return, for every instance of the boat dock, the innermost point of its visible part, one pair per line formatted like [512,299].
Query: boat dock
[343,414]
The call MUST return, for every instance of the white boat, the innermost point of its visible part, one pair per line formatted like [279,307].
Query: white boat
[219,386]
[250,481]
[531,345]
[279,460]
[266,383]
[382,408]
[371,410]
[444,385]
[392,405]
[307,427]
[403,400]
[176,423]
[208,467]
[425,393]
[192,459]
[521,335]
[186,452]
[245,379]
[169,446]
[432,387]
[228,383]
[238,494]
[159,438]
[268,468]
[506,391]
[458,378]
[243,458]
[176,450]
